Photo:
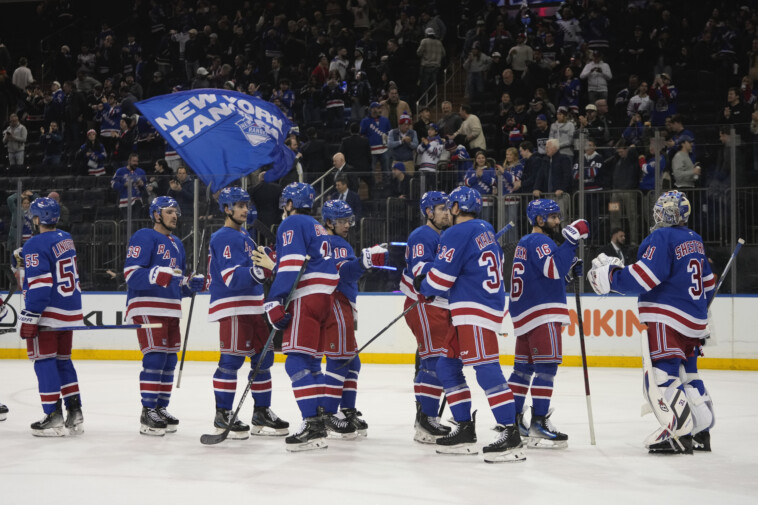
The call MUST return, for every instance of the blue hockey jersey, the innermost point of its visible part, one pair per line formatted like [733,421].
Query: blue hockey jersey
[423,243]
[673,279]
[538,288]
[377,130]
[349,267]
[51,284]
[233,290]
[119,183]
[469,269]
[149,249]
[300,235]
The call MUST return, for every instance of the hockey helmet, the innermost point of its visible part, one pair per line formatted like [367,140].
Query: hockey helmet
[231,195]
[541,207]
[252,213]
[468,199]
[431,199]
[671,209]
[337,209]
[301,195]
[163,202]
[46,209]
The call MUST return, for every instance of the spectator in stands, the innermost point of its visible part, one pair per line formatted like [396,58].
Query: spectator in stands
[392,108]
[201,79]
[315,158]
[74,108]
[624,181]
[265,196]
[360,95]
[26,218]
[158,181]
[537,108]
[333,100]
[663,95]
[134,175]
[52,143]
[598,124]
[736,112]
[64,222]
[108,113]
[402,142]
[532,165]
[519,55]
[617,247]
[635,132]
[92,155]
[14,138]
[512,172]
[540,133]
[470,131]
[376,129]
[569,90]
[157,86]
[450,121]
[640,102]
[563,131]
[595,202]
[127,140]
[476,65]
[429,150]
[431,52]
[357,151]
[342,169]
[686,174]
[679,133]
[621,103]
[555,177]
[343,192]
[512,86]
[182,189]
[598,74]
[85,83]
[400,184]
[424,119]
[22,76]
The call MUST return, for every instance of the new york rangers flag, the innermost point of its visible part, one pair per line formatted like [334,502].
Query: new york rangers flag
[222,135]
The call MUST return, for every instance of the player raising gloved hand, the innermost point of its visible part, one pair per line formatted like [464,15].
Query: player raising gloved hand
[575,270]
[376,256]
[579,229]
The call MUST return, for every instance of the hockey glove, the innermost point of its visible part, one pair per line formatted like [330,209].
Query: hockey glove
[601,273]
[258,274]
[29,324]
[17,262]
[263,257]
[277,316]
[417,286]
[376,256]
[196,283]
[576,270]
[579,229]
[161,276]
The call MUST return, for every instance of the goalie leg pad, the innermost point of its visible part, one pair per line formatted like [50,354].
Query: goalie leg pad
[700,401]
[669,398]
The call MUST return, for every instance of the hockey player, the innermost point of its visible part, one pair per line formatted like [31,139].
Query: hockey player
[155,286]
[429,322]
[237,304]
[538,308]
[298,236]
[468,270]
[52,298]
[674,282]
[342,381]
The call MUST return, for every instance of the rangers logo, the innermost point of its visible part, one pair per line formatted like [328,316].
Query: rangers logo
[662,405]
[256,132]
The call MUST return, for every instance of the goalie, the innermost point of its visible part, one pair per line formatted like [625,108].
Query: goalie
[674,282]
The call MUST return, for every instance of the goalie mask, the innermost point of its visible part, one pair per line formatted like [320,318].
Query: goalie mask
[671,209]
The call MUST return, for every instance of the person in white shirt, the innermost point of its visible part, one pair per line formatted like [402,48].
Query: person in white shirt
[640,102]
[597,73]
[22,76]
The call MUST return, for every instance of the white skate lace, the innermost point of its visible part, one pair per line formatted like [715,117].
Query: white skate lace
[549,426]
[153,415]
[435,422]
[339,423]
[271,415]
[164,413]
[303,426]
[453,432]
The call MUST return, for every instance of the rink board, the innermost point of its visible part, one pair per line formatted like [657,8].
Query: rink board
[611,327]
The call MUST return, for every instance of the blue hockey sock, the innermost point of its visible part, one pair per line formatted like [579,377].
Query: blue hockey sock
[49,383]
[519,382]
[428,387]
[334,379]
[167,379]
[68,378]
[491,379]
[450,373]
[261,388]
[225,380]
[150,378]
[542,387]
[305,385]
[350,386]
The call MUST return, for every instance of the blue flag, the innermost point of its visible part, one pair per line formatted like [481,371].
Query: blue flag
[222,135]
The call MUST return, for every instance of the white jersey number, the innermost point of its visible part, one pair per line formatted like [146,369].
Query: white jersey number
[68,277]
[494,271]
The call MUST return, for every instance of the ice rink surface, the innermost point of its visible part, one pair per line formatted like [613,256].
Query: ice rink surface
[111,463]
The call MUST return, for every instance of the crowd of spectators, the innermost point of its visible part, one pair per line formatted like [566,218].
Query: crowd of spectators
[349,73]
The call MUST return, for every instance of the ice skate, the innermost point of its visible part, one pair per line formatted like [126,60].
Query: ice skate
[669,445]
[3,412]
[266,423]
[461,440]
[543,435]
[172,423]
[51,425]
[74,418]
[702,441]
[428,428]
[238,430]
[312,435]
[507,447]
[151,423]
[523,429]
[353,416]
[337,427]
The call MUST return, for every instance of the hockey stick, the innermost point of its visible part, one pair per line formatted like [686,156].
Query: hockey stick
[584,359]
[508,227]
[105,327]
[740,243]
[217,439]
[192,300]
[410,307]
